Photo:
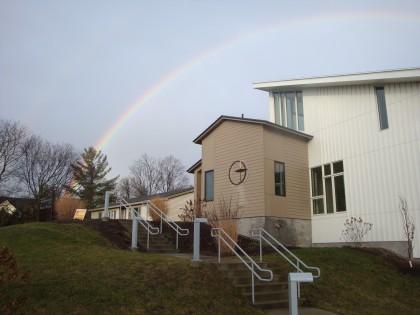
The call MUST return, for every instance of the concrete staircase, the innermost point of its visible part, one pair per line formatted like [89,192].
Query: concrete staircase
[157,243]
[268,295]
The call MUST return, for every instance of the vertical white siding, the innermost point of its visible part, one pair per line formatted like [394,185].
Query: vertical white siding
[379,165]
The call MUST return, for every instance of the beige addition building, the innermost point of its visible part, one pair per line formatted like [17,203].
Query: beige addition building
[241,165]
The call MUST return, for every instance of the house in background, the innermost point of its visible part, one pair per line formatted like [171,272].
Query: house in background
[175,201]
[334,147]
[16,210]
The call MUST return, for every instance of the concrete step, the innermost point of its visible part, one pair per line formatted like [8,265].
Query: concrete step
[268,294]
[158,243]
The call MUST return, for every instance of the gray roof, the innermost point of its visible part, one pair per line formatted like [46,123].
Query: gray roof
[264,123]
[169,194]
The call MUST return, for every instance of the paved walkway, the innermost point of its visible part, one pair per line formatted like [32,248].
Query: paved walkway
[301,311]
[280,311]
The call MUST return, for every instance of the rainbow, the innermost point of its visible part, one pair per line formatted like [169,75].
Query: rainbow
[173,75]
[184,68]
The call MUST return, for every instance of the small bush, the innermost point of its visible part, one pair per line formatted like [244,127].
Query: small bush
[225,214]
[161,204]
[9,273]
[193,209]
[355,230]
[65,207]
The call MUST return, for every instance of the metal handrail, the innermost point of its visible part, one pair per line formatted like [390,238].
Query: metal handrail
[249,266]
[259,233]
[163,217]
[137,216]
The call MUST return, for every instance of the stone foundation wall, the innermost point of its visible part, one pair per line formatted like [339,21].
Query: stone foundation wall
[291,232]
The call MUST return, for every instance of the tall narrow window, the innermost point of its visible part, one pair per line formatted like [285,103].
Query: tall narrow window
[277,108]
[383,116]
[288,110]
[317,190]
[209,186]
[301,126]
[279,179]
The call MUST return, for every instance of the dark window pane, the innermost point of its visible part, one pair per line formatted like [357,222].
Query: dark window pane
[327,169]
[301,126]
[283,110]
[316,178]
[279,179]
[277,108]
[318,206]
[338,167]
[209,186]
[340,196]
[329,195]
[291,110]
[383,116]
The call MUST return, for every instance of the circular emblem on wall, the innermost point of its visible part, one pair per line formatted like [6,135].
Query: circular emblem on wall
[237,172]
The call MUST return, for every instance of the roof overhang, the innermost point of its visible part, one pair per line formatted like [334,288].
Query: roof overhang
[375,78]
[264,123]
[196,165]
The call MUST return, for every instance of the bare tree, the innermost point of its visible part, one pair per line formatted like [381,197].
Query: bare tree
[172,174]
[408,227]
[150,175]
[145,175]
[125,188]
[45,167]
[12,135]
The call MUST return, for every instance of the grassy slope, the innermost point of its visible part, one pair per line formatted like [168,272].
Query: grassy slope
[353,282]
[73,270]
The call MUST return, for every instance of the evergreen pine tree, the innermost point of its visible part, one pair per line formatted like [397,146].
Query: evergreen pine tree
[90,176]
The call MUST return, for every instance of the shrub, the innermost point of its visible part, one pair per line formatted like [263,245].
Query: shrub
[9,273]
[193,209]
[161,204]
[66,206]
[225,214]
[355,230]
[408,227]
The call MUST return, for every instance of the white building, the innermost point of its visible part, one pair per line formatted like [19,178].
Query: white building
[365,150]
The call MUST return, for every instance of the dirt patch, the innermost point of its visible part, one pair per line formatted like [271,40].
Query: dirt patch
[112,230]
[400,263]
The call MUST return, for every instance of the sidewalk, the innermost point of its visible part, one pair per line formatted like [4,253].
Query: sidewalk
[301,311]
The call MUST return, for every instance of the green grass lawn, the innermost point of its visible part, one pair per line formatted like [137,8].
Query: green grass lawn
[74,270]
[353,282]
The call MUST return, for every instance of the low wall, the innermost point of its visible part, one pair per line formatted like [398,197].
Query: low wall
[291,232]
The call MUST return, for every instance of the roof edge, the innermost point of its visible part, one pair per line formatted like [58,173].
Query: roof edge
[266,123]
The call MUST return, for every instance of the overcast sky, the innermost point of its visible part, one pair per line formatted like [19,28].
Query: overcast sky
[160,72]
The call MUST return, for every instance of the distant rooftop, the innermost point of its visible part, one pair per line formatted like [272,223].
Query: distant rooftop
[377,77]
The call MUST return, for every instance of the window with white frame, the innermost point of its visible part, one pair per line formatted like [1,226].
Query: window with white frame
[279,179]
[288,110]
[209,186]
[327,185]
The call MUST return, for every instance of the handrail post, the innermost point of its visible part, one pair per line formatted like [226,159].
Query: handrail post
[148,234]
[134,233]
[219,244]
[253,285]
[177,238]
[260,246]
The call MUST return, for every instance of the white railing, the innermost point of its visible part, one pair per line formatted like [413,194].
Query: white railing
[136,216]
[251,265]
[264,235]
[164,218]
